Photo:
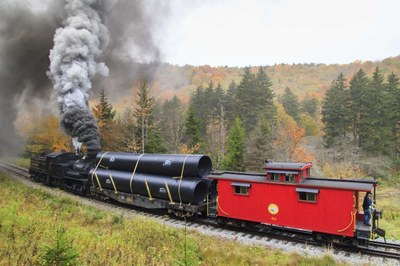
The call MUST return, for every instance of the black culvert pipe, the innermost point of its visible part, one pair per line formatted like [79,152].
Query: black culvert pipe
[192,190]
[158,164]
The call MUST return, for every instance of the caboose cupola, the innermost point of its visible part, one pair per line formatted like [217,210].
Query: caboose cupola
[287,171]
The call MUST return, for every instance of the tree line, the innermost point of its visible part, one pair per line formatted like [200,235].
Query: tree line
[239,127]
[365,112]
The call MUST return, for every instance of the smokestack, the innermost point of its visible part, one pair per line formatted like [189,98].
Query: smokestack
[74,62]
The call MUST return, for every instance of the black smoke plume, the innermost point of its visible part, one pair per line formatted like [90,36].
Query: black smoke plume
[26,38]
[74,62]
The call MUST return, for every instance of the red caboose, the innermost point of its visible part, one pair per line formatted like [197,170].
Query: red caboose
[287,197]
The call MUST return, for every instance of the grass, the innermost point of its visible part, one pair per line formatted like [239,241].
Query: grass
[31,221]
[388,200]
[20,161]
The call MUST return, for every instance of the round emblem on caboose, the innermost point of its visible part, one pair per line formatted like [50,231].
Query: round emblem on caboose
[273,209]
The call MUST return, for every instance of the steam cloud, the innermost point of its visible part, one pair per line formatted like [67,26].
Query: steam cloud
[73,64]
[26,36]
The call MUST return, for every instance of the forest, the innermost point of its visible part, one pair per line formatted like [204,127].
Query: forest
[346,127]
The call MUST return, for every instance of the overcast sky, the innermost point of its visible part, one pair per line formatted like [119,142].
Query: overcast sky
[265,32]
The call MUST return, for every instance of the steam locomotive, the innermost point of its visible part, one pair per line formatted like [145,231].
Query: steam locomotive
[284,196]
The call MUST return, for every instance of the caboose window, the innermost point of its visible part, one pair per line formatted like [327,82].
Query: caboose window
[241,188]
[290,178]
[306,194]
[274,177]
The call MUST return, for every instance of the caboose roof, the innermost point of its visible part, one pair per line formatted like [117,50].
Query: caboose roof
[360,185]
[286,165]
[348,184]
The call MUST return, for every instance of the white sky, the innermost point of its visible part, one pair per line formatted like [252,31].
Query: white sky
[265,32]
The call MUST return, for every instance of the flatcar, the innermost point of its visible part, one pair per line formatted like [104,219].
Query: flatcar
[285,196]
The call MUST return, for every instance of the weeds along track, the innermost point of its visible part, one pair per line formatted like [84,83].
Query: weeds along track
[293,241]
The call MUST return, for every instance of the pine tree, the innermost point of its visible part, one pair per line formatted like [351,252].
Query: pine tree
[105,115]
[265,95]
[246,100]
[143,113]
[258,146]
[129,142]
[192,128]
[235,148]
[310,106]
[358,85]
[173,123]
[255,98]
[376,134]
[155,142]
[104,110]
[393,103]
[335,111]
[291,104]
[231,102]
[220,99]
[198,102]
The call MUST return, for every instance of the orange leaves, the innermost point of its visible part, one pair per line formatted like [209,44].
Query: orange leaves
[45,136]
[288,142]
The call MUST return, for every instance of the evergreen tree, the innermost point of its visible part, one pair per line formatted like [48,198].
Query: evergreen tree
[231,102]
[335,111]
[358,86]
[198,102]
[105,115]
[209,101]
[129,142]
[291,104]
[310,106]
[155,142]
[235,148]
[376,134]
[393,103]
[258,146]
[220,99]
[246,99]
[192,128]
[173,123]
[255,98]
[265,95]
[104,110]
[143,113]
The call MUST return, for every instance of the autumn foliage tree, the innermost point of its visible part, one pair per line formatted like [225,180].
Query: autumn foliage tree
[288,139]
[46,136]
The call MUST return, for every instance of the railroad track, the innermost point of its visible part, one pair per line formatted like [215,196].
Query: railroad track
[290,241]
[387,250]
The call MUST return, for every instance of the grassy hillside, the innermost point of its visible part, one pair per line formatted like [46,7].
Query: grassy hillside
[301,78]
[36,227]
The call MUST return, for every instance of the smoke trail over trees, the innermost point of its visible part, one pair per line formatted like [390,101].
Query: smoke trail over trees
[26,37]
